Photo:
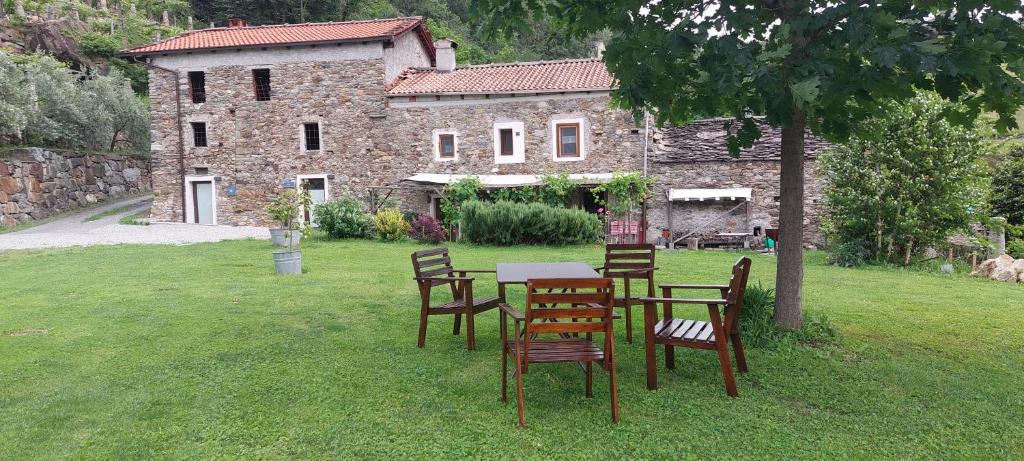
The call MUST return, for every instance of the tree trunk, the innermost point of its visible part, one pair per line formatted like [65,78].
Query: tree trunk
[790,269]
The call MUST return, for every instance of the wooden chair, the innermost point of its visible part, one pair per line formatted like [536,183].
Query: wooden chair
[433,268]
[713,335]
[629,261]
[567,307]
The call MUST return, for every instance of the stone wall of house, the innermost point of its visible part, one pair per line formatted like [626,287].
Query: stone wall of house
[36,183]
[255,146]
[611,139]
[255,149]
[763,211]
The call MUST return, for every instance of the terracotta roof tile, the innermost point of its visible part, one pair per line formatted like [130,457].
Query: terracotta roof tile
[705,141]
[529,77]
[240,37]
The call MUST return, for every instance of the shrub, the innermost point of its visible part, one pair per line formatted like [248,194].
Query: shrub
[1015,248]
[1008,188]
[391,225]
[759,330]
[343,218]
[852,253]
[906,180]
[99,44]
[756,324]
[507,223]
[426,229]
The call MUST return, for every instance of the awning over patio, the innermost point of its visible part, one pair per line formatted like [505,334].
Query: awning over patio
[700,195]
[494,181]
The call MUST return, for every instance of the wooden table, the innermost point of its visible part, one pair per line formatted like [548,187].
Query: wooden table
[519,273]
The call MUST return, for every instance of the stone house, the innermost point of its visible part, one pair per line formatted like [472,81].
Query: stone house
[374,108]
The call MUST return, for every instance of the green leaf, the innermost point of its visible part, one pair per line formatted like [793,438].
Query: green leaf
[806,92]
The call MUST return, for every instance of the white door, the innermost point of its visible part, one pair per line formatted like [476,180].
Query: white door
[317,188]
[202,198]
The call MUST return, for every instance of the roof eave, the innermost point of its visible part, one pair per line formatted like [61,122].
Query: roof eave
[476,93]
[379,38]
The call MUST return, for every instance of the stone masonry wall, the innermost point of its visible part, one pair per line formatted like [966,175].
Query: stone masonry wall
[36,183]
[611,140]
[761,176]
[256,146]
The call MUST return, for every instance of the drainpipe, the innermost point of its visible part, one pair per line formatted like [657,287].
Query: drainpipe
[181,130]
[647,130]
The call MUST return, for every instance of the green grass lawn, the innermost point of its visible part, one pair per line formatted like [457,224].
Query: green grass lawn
[200,351]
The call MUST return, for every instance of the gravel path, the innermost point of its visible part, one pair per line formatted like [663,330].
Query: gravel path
[73,230]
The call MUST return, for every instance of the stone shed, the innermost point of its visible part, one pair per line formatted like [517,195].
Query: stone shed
[703,190]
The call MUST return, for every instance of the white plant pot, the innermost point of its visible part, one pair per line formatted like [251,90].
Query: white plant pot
[288,262]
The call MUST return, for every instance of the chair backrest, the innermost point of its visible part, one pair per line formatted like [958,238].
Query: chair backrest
[620,258]
[565,306]
[433,263]
[737,288]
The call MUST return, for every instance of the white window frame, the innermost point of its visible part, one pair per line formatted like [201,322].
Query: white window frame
[580,141]
[188,205]
[437,145]
[302,135]
[298,187]
[518,143]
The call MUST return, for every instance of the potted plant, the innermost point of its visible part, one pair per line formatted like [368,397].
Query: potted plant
[286,210]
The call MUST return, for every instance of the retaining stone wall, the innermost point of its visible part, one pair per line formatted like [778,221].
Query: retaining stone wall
[37,183]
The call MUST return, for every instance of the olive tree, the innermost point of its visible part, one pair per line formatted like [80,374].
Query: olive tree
[821,65]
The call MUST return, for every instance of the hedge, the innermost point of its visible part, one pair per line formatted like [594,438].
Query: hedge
[508,223]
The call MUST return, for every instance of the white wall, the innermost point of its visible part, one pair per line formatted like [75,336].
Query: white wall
[409,51]
[272,55]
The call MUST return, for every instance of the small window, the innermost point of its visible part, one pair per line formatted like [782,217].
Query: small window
[568,139]
[311,131]
[199,134]
[197,87]
[507,142]
[446,145]
[261,84]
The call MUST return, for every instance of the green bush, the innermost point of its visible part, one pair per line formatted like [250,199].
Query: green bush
[757,326]
[1015,248]
[507,223]
[99,44]
[343,218]
[852,253]
[391,225]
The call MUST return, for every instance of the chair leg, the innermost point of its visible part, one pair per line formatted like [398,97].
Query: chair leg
[423,328]
[519,391]
[737,349]
[470,333]
[458,324]
[670,357]
[629,322]
[652,361]
[504,374]
[723,358]
[614,390]
[589,371]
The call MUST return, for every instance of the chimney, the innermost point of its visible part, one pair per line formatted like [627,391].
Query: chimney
[445,54]
[599,49]
[237,22]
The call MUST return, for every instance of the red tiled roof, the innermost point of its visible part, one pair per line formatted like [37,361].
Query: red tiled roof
[285,34]
[530,77]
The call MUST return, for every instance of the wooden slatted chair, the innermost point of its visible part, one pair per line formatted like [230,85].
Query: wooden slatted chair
[434,268]
[567,307]
[629,261]
[713,335]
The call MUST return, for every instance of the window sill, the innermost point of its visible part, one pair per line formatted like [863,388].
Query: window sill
[569,159]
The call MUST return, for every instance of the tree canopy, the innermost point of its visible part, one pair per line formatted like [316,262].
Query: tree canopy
[817,64]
